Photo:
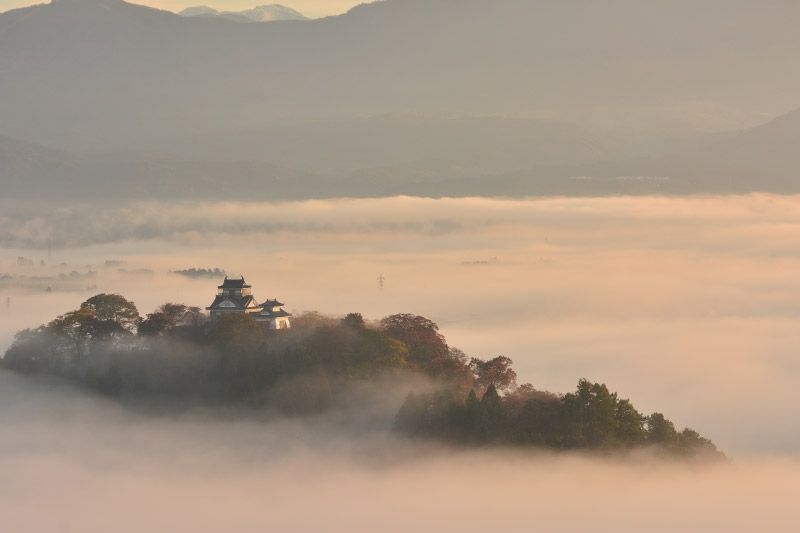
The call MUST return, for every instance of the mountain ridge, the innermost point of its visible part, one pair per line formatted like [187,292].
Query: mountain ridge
[261,13]
[109,77]
[105,61]
[732,164]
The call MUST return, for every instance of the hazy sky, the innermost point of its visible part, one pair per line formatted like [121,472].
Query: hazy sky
[310,8]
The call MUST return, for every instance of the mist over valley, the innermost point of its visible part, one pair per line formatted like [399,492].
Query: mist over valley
[408,265]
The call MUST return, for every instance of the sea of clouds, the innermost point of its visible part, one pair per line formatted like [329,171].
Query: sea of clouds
[689,306]
[83,464]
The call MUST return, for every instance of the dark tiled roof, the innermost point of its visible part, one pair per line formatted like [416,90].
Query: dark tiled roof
[272,303]
[234,283]
[241,303]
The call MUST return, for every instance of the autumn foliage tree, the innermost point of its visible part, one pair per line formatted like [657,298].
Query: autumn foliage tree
[113,308]
[427,348]
[496,372]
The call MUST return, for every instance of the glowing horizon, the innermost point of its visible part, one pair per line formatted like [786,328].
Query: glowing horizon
[309,8]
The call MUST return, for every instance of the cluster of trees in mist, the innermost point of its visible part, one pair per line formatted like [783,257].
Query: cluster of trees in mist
[592,417]
[200,272]
[176,353]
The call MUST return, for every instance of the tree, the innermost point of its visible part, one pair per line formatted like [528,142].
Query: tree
[34,350]
[114,308]
[691,443]
[497,372]
[83,326]
[472,403]
[541,421]
[491,420]
[430,415]
[408,418]
[420,334]
[630,424]
[661,431]
[156,324]
[591,415]
[194,317]
[355,321]
[174,312]
[428,350]
[601,424]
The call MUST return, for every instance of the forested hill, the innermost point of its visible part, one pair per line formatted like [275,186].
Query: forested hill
[175,354]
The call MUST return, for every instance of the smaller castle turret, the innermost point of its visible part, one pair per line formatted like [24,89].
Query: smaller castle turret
[272,312]
[235,296]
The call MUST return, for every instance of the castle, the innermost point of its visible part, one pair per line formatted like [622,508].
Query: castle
[235,296]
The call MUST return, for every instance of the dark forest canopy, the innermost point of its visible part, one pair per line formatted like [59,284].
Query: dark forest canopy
[176,353]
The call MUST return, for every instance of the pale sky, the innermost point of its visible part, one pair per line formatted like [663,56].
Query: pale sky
[310,8]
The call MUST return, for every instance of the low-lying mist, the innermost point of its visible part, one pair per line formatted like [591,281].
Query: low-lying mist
[686,305]
[74,462]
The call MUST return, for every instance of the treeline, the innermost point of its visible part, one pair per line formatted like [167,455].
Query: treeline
[176,353]
[590,418]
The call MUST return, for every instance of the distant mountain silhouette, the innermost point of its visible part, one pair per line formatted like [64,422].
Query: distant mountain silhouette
[31,167]
[76,70]
[400,95]
[265,13]
[764,158]
[760,159]
[34,172]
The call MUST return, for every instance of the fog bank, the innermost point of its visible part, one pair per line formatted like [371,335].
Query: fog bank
[684,305]
[96,467]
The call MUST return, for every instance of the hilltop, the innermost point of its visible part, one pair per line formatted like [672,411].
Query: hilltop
[176,355]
